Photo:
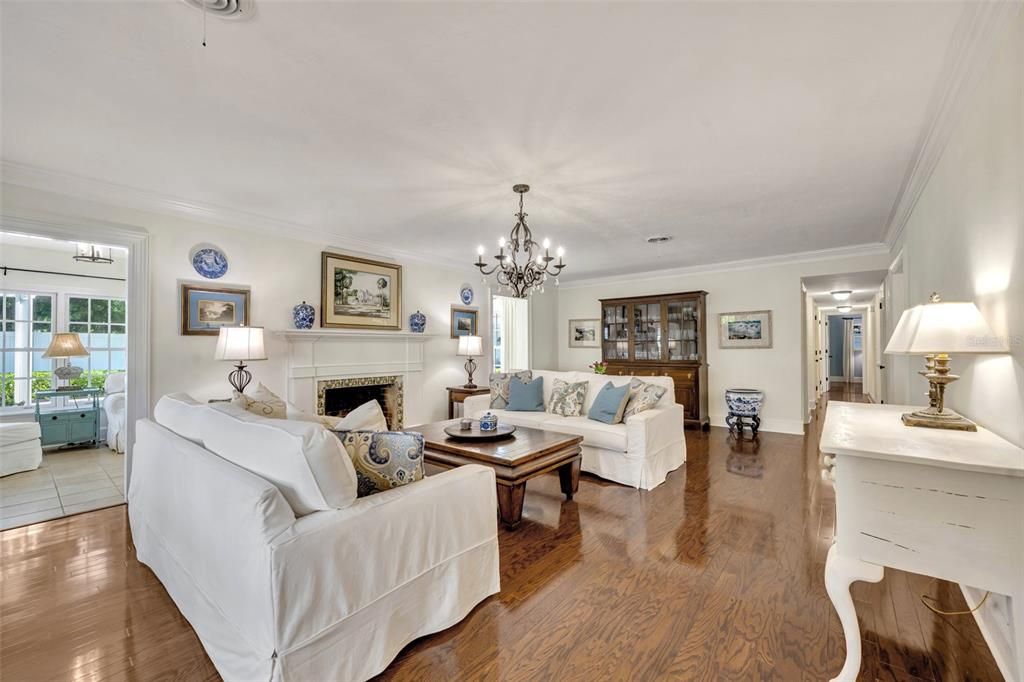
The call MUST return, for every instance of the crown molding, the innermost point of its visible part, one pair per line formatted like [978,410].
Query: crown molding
[122,196]
[871,249]
[974,42]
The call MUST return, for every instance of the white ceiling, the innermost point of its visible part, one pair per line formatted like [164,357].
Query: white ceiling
[864,286]
[741,129]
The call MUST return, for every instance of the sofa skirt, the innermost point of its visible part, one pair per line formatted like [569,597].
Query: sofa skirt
[645,473]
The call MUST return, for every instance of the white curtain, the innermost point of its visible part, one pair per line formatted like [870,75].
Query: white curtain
[515,337]
[848,371]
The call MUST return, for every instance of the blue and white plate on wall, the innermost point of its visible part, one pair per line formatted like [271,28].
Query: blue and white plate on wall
[209,261]
[466,294]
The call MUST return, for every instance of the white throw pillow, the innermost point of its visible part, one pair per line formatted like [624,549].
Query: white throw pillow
[304,460]
[180,413]
[262,401]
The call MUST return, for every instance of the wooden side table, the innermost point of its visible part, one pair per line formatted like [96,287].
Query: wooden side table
[458,394]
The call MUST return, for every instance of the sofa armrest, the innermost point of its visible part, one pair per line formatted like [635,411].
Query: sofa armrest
[654,429]
[475,404]
[330,565]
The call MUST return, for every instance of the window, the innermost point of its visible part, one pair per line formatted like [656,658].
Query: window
[100,322]
[510,333]
[27,321]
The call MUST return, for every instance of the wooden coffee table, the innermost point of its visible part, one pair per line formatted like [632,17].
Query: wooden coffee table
[528,454]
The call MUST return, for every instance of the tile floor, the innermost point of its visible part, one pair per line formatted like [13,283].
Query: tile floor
[67,482]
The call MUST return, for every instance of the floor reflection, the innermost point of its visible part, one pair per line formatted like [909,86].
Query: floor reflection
[744,458]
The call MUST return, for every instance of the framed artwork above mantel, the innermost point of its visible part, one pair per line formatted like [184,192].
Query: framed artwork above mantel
[359,293]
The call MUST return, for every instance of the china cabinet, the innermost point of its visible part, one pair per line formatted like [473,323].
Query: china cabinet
[660,335]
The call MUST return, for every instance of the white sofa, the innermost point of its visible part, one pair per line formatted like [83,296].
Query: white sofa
[253,527]
[114,408]
[639,452]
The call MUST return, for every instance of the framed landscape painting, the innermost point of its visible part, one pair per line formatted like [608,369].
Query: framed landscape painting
[360,293]
[751,329]
[463,321]
[584,334]
[204,310]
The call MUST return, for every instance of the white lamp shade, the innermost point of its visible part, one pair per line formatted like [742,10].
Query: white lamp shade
[943,328]
[66,345]
[240,343]
[472,346]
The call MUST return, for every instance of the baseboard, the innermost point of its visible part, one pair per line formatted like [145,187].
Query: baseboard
[994,622]
[768,424]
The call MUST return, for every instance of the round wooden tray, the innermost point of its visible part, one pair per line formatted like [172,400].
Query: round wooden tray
[475,434]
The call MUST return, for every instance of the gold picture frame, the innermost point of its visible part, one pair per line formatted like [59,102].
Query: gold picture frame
[204,310]
[749,329]
[464,321]
[359,293]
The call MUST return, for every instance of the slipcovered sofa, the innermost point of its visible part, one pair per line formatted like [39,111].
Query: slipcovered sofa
[639,452]
[114,408]
[254,528]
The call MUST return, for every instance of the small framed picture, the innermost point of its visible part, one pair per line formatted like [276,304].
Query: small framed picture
[751,329]
[463,321]
[584,334]
[204,310]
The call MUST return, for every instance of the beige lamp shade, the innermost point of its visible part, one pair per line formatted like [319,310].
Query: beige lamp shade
[943,327]
[240,343]
[471,346]
[66,345]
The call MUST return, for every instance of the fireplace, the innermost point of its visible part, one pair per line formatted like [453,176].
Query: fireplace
[338,397]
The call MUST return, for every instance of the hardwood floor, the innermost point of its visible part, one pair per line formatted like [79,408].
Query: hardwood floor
[717,574]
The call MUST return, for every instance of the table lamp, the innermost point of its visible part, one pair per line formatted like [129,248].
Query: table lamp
[935,330]
[470,346]
[239,344]
[66,345]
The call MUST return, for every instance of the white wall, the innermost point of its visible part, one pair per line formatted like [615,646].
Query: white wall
[281,271]
[965,239]
[778,370]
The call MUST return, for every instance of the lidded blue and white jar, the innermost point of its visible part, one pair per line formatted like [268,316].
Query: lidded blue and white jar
[303,315]
[489,422]
[417,322]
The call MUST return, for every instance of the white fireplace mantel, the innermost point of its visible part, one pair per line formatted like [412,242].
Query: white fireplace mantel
[373,334]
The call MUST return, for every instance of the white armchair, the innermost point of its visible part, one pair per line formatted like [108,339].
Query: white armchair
[114,407]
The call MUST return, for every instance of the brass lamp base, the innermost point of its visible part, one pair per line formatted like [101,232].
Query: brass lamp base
[947,419]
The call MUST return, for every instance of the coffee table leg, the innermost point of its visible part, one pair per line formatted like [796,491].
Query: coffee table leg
[569,477]
[510,503]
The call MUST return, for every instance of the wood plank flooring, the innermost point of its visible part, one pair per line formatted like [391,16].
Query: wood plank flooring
[715,575]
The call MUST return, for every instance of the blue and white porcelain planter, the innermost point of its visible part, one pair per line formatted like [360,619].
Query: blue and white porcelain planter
[743,403]
[489,422]
[417,322]
[303,315]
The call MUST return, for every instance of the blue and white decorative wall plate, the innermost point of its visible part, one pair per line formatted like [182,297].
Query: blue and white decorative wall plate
[209,261]
[466,294]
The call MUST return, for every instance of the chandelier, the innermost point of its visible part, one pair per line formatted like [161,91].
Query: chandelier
[91,253]
[523,269]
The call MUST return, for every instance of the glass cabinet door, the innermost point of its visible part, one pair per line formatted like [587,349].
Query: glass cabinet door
[683,330]
[615,333]
[647,338]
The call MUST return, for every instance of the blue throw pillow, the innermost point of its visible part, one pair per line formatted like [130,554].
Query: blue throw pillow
[609,404]
[526,397]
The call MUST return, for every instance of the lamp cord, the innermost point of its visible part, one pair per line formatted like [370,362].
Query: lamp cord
[926,597]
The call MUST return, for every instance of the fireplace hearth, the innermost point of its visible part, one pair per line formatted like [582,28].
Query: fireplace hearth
[338,397]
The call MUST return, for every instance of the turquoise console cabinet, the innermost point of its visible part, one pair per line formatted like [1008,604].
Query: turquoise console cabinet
[72,424]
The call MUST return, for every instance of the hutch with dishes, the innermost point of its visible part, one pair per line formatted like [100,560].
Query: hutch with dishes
[661,335]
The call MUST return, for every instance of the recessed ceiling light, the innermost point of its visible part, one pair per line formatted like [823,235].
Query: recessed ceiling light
[659,239]
[844,308]
[841,295]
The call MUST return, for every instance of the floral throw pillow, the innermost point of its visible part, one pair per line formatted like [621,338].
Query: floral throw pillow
[499,383]
[262,401]
[642,397]
[383,459]
[567,399]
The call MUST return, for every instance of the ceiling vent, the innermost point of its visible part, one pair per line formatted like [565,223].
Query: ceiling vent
[659,239]
[228,9]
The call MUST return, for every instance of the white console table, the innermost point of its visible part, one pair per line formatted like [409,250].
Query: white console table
[946,504]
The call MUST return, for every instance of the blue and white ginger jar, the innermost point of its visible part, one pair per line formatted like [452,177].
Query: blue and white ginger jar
[303,315]
[417,322]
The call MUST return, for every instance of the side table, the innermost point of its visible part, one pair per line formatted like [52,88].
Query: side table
[70,425]
[458,394]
